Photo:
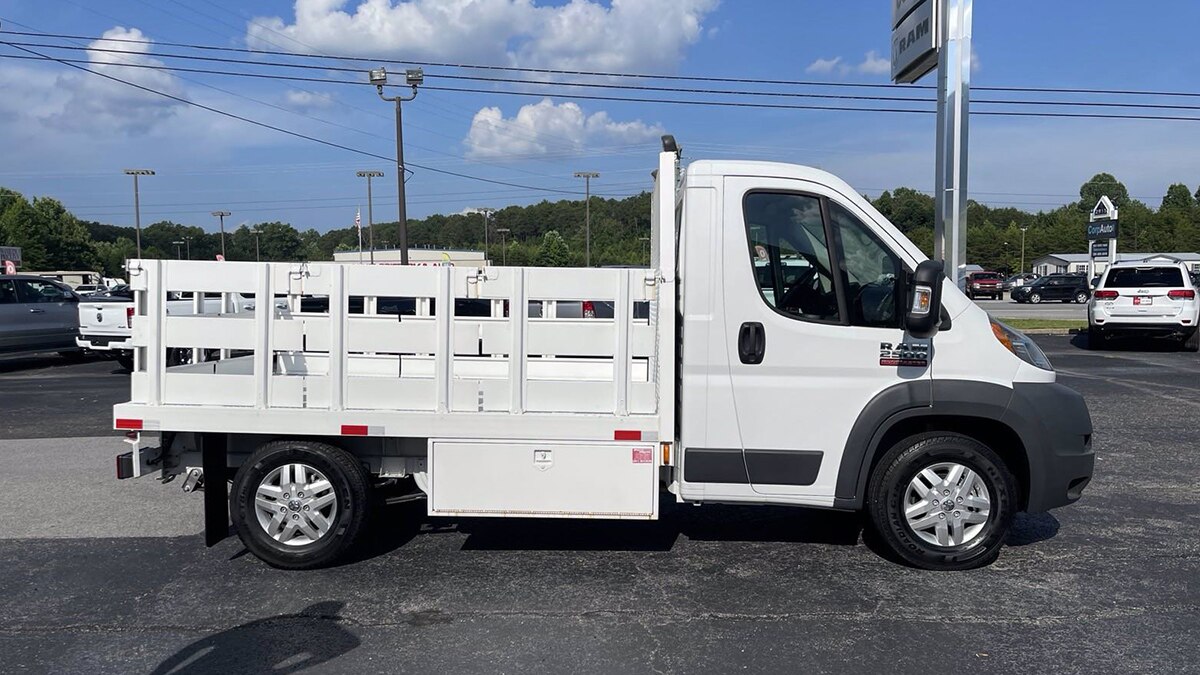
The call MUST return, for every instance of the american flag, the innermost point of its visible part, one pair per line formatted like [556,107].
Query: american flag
[358,218]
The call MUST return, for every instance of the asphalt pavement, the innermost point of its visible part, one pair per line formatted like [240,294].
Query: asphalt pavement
[102,576]
[1008,309]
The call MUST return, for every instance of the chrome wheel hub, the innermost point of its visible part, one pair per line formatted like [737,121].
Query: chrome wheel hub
[947,504]
[295,504]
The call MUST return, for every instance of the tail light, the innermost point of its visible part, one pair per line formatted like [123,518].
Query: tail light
[1105,295]
[589,310]
[1185,294]
[129,317]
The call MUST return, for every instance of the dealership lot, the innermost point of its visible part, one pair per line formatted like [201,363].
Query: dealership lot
[113,577]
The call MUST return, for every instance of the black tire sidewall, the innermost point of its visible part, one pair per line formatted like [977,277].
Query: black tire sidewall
[348,484]
[890,483]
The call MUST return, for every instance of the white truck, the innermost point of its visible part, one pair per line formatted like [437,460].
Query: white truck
[860,379]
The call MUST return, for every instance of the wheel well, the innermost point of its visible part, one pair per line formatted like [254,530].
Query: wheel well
[991,432]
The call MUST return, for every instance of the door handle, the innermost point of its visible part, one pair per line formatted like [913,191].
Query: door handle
[752,342]
[36,311]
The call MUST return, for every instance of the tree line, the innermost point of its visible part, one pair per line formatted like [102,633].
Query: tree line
[553,233]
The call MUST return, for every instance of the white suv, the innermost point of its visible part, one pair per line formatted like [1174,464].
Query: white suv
[1145,299]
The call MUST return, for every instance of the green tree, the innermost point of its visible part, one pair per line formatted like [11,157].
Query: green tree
[1100,185]
[554,251]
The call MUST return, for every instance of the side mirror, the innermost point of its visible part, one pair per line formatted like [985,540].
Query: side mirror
[924,315]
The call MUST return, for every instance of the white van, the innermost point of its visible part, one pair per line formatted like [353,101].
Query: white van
[857,379]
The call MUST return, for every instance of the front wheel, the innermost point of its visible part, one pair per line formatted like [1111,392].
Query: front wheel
[299,504]
[1035,298]
[942,501]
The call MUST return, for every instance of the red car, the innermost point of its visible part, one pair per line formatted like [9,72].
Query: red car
[985,283]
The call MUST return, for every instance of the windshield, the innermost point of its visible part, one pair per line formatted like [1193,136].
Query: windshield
[1143,277]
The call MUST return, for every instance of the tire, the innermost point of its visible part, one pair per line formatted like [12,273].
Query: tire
[891,491]
[341,520]
[1035,298]
[178,356]
[1095,338]
[970,295]
[125,359]
[1191,343]
[1081,298]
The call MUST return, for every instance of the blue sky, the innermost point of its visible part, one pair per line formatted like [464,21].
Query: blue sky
[68,134]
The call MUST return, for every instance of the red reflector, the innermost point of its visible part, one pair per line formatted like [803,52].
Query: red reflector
[129,317]
[127,424]
[1186,294]
[354,430]
[589,309]
[627,435]
[1105,295]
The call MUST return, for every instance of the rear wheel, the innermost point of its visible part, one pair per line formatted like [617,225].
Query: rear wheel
[942,501]
[1191,343]
[1081,297]
[126,360]
[299,504]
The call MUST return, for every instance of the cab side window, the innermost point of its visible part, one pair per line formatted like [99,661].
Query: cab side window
[790,255]
[35,290]
[8,292]
[872,273]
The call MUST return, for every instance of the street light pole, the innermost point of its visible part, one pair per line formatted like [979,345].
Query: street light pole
[486,212]
[1022,270]
[503,245]
[178,251]
[370,209]
[587,177]
[137,206]
[221,215]
[645,248]
[413,77]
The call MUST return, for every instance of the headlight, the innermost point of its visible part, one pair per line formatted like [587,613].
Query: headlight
[1019,343]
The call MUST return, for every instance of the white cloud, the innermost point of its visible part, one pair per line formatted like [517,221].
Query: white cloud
[307,100]
[872,64]
[824,66]
[875,64]
[642,35]
[544,127]
[98,103]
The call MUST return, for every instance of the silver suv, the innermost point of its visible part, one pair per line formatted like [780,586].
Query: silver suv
[1145,299]
[37,315]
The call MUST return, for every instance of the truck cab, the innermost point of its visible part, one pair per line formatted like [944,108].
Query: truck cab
[793,347]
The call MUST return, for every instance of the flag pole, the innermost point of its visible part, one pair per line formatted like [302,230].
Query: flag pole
[358,226]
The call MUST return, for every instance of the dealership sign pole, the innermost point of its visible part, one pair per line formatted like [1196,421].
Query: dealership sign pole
[1102,234]
[929,34]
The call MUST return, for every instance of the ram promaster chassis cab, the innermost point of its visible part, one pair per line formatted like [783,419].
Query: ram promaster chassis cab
[793,348]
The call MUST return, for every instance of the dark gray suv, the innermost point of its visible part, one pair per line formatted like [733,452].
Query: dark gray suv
[37,315]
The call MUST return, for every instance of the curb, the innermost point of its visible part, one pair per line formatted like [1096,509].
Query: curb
[1053,331]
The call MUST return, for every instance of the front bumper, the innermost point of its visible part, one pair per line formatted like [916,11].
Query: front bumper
[1053,423]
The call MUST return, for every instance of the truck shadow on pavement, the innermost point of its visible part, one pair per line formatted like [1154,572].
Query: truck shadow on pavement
[396,526]
[1129,344]
[286,643]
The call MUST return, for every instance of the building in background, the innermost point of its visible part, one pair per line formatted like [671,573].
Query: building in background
[1057,263]
[416,256]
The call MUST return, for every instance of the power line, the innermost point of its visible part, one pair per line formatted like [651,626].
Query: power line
[289,132]
[607,74]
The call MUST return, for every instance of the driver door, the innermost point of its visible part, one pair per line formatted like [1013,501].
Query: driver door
[813,301]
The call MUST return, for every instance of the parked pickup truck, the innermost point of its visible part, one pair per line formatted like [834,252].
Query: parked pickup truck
[860,379]
[106,321]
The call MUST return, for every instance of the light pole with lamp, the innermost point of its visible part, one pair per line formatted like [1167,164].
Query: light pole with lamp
[1022,270]
[370,210]
[587,177]
[413,77]
[137,206]
[178,251]
[486,212]
[221,215]
[503,245]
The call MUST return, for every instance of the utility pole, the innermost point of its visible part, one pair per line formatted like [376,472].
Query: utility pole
[221,215]
[257,256]
[413,77]
[486,212]
[503,245]
[137,206]
[587,177]
[370,210]
[645,248]
[178,251]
